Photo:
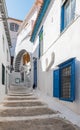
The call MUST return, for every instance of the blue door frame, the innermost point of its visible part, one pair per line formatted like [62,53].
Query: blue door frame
[35,73]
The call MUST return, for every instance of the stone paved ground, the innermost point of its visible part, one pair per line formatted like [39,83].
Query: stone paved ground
[21,111]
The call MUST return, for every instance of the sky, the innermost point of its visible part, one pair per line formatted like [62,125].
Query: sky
[19,8]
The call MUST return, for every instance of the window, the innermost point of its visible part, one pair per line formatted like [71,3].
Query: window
[41,42]
[64,81]
[14,27]
[67,13]
[3,74]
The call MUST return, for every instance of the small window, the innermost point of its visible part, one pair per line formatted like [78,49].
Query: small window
[41,42]
[67,13]
[14,27]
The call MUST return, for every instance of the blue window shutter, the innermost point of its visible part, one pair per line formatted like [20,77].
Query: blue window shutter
[62,19]
[73,80]
[56,83]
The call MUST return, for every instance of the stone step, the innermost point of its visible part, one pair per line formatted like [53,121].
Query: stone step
[24,104]
[19,94]
[34,107]
[26,112]
[20,98]
[22,110]
[25,101]
[37,124]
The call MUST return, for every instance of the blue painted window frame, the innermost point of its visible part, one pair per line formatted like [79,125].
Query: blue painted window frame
[40,33]
[70,62]
[63,26]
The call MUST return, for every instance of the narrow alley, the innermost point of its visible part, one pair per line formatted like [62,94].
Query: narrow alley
[22,110]
[40,65]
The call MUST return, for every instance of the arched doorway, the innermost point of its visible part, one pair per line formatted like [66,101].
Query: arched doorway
[23,58]
[23,67]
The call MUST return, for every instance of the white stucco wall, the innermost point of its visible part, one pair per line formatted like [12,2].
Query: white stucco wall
[65,45]
[3,59]
[13,78]
[23,39]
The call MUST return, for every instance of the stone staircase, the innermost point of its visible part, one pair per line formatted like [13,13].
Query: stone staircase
[22,110]
[19,89]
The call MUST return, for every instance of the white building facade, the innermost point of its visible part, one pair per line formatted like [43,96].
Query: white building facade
[23,52]
[14,25]
[5,44]
[56,45]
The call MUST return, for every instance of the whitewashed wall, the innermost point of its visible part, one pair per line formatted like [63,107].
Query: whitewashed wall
[3,59]
[23,39]
[65,46]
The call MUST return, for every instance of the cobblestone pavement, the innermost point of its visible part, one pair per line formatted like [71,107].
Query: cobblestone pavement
[24,111]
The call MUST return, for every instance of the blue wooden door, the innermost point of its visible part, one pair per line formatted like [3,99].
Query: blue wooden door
[35,73]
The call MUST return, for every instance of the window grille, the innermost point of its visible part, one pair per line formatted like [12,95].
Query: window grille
[66,82]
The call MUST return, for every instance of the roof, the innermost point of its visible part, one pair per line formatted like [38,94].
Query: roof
[39,19]
[4,18]
[10,18]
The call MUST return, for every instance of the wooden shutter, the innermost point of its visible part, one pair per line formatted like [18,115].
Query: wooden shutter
[73,81]
[56,83]
[62,19]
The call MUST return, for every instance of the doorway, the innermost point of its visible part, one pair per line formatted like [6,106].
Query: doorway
[35,74]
